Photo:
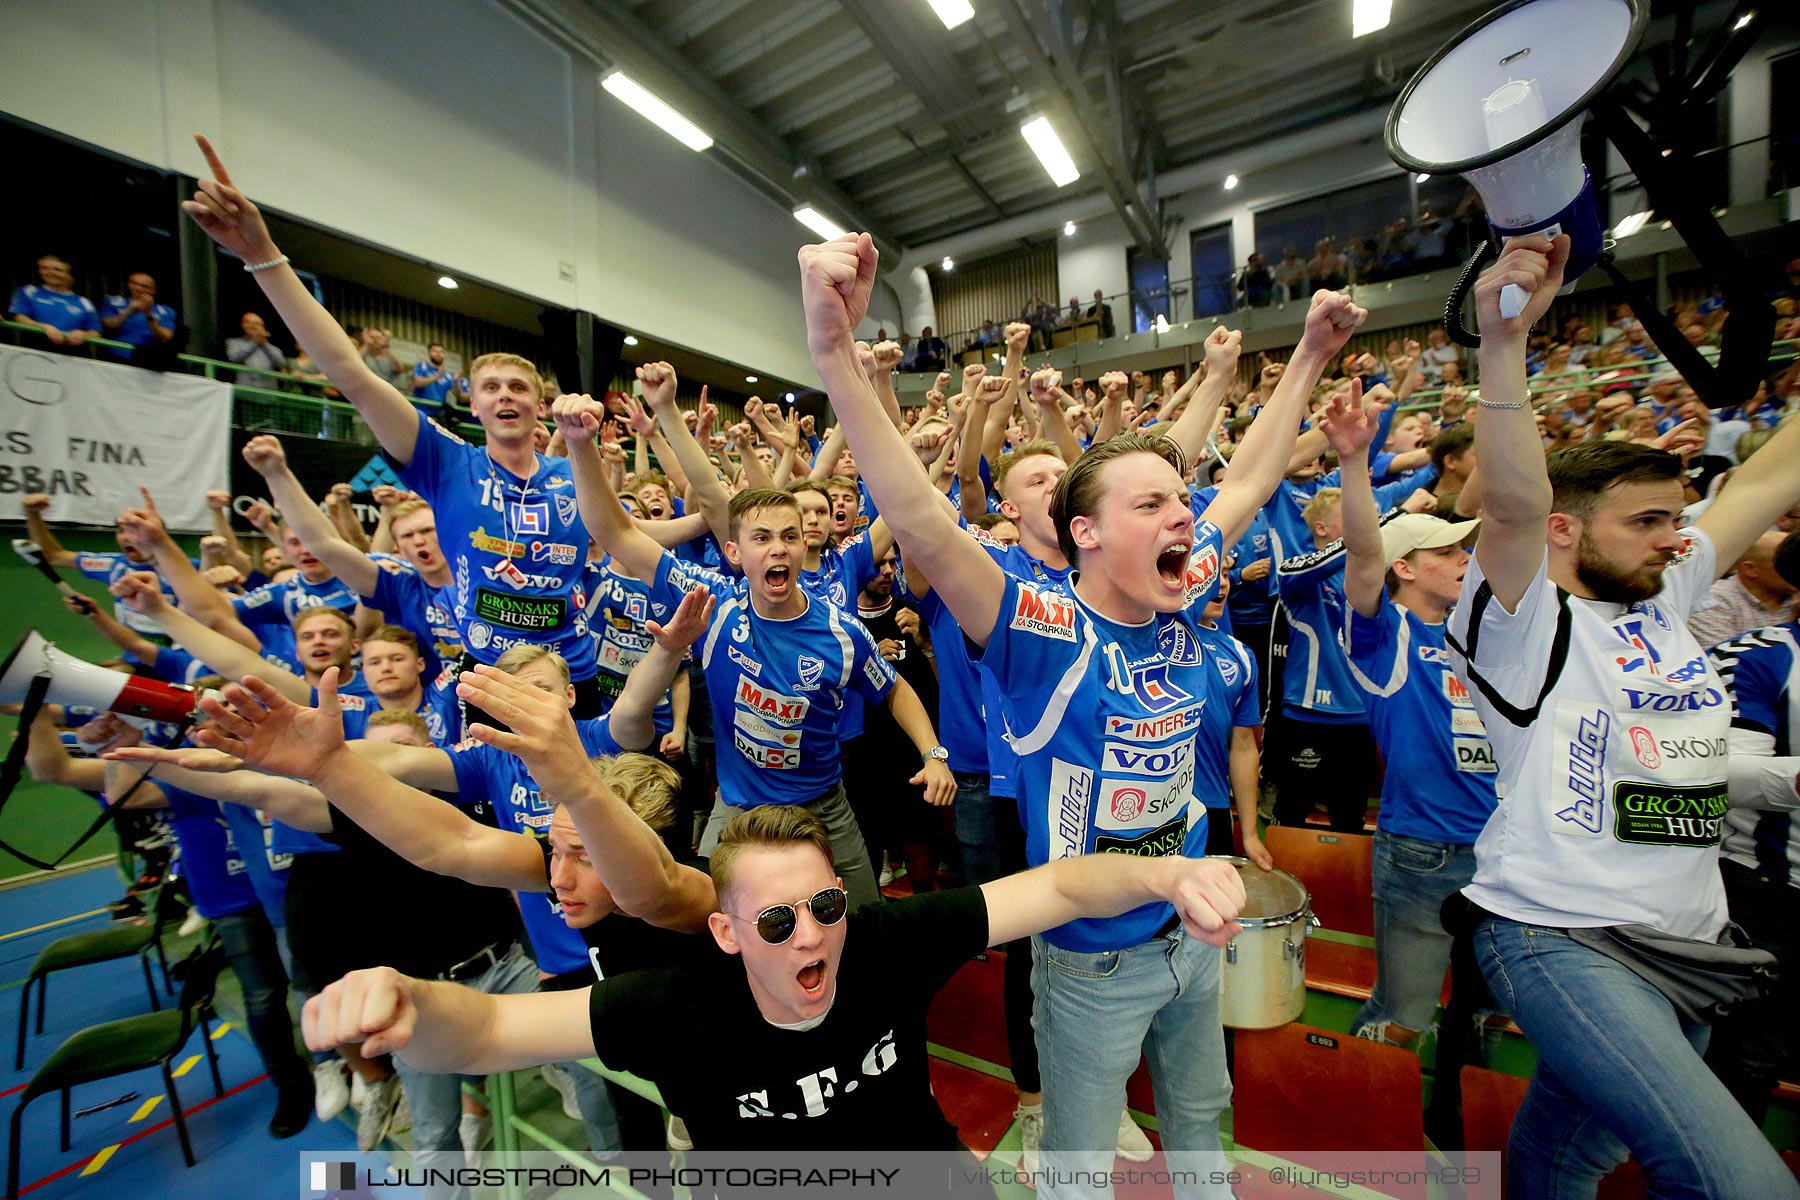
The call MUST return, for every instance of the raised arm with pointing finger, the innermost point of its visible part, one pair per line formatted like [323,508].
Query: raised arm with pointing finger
[231,220]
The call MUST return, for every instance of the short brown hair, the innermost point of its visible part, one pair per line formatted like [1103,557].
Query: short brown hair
[751,499]
[771,825]
[653,477]
[396,635]
[795,487]
[508,360]
[305,615]
[401,716]
[1003,466]
[1079,493]
[1581,474]
[842,483]
[647,785]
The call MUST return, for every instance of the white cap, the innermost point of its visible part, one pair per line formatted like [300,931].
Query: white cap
[1422,531]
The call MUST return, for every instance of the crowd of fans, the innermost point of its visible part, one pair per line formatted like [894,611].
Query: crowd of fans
[67,319]
[747,629]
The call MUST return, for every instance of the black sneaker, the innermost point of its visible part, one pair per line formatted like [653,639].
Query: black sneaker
[126,908]
[293,1107]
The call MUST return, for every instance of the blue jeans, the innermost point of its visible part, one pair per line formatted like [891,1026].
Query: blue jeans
[255,955]
[436,1100]
[1413,878]
[1617,1072]
[975,833]
[1094,1014]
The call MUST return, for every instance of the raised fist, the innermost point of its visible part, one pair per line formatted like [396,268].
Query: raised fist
[578,417]
[141,592]
[387,496]
[35,502]
[223,576]
[1271,374]
[1222,347]
[753,408]
[1330,321]
[836,279]
[807,425]
[264,453]
[217,500]
[340,492]
[972,376]
[888,355]
[990,389]
[943,380]
[1114,384]
[1044,383]
[260,516]
[659,383]
[865,355]
[1018,333]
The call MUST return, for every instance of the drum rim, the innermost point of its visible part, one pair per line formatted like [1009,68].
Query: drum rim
[1303,913]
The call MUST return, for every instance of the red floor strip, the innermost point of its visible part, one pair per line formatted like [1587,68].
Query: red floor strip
[142,1133]
[9,1091]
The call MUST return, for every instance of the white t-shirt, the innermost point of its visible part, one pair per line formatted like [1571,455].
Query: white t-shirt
[1611,726]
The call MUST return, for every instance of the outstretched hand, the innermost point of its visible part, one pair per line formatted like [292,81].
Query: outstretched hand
[541,732]
[1348,424]
[691,618]
[268,731]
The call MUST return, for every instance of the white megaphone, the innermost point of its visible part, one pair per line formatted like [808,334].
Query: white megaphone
[1501,105]
[76,682]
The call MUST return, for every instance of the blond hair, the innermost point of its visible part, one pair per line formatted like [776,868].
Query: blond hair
[647,785]
[401,716]
[522,654]
[1324,502]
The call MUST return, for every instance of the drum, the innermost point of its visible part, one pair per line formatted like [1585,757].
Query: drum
[1262,983]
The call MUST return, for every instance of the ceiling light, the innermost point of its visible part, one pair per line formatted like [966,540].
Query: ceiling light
[1162,323]
[819,223]
[630,341]
[656,111]
[749,379]
[1423,178]
[1366,16]
[949,264]
[444,281]
[1068,229]
[1631,224]
[1049,149]
[952,12]
[789,397]
[1744,20]
[1231,181]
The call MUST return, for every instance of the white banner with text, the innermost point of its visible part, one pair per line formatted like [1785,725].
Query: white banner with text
[90,434]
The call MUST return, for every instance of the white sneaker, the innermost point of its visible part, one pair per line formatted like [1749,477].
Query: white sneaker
[401,1121]
[475,1131]
[678,1138]
[564,1083]
[192,924]
[887,875]
[374,1109]
[1031,1134]
[1133,1145]
[331,1088]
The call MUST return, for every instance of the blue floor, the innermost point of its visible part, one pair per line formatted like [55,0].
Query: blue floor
[235,1154]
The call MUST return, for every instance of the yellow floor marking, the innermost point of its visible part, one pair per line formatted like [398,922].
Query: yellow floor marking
[187,1066]
[99,1159]
[220,1031]
[146,1108]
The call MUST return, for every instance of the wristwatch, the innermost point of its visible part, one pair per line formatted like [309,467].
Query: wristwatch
[936,754]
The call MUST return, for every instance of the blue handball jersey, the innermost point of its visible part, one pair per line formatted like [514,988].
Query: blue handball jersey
[109,566]
[216,876]
[1243,699]
[1018,564]
[501,779]
[422,610]
[780,686]
[1105,719]
[844,571]
[63,311]
[516,547]
[618,606]
[1439,782]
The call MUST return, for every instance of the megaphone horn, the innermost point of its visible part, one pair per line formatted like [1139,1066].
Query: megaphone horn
[1501,105]
[74,681]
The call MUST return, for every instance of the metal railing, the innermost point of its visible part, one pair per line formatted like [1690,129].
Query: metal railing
[284,404]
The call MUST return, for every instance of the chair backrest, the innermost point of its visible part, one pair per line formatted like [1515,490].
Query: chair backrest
[1489,1101]
[1305,1094]
[199,973]
[1337,869]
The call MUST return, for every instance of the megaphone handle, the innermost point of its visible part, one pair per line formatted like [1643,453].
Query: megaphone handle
[1513,300]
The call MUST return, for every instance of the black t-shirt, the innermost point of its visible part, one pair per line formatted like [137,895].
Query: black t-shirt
[455,919]
[859,1080]
[618,943]
[913,667]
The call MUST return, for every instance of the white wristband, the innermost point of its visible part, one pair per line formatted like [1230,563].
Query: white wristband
[264,266]
[1496,404]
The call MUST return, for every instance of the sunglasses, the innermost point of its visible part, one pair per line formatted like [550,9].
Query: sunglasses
[776,924]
